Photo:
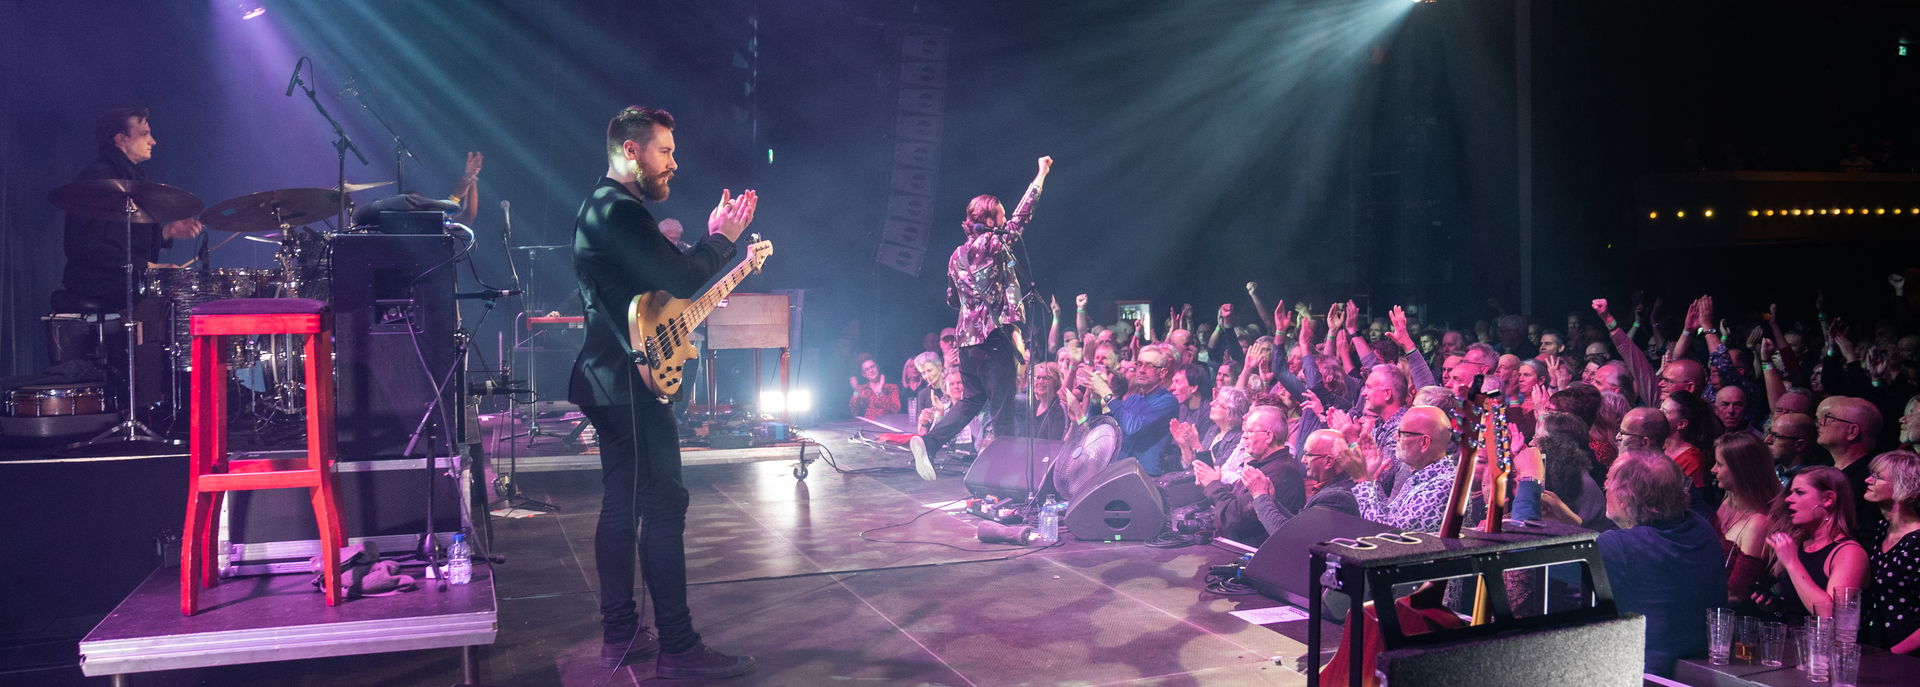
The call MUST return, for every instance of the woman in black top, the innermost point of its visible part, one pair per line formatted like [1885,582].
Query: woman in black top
[1892,612]
[1812,545]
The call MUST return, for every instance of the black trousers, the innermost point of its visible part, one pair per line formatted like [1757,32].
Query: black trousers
[640,478]
[988,371]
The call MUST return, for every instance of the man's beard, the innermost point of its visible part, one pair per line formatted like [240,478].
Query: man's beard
[654,187]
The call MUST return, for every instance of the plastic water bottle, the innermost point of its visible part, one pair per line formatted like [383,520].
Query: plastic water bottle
[459,561]
[1049,532]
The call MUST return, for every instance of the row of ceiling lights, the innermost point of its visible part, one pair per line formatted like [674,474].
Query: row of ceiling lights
[1797,212]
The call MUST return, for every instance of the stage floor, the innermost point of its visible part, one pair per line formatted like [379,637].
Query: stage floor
[779,570]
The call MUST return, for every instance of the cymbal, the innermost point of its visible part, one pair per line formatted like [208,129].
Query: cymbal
[255,211]
[106,200]
[356,188]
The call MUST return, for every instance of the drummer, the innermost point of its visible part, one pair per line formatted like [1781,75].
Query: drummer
[96,250]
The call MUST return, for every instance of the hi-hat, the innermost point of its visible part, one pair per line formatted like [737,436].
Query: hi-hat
[268,210]
[106,200]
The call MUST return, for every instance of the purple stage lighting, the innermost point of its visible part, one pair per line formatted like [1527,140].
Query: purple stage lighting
[252,8]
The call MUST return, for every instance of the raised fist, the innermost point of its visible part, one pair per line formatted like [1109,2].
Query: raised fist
[1600,305]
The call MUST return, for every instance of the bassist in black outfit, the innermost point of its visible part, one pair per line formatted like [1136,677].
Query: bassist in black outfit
[620,253]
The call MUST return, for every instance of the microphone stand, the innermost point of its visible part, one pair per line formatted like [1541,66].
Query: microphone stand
[341,144]
[400,150]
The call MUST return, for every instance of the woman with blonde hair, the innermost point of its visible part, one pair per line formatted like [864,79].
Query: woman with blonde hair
[1891,621]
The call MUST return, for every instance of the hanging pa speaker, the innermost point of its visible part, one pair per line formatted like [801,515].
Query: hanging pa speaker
[1010,465]
[1120,504]
[1279,568]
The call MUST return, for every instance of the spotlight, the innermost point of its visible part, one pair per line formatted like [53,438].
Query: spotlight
[1681,214]
[1653,215]
[772,401]
[1708,213]
[252,8]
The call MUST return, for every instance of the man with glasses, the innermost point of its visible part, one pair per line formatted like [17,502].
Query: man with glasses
[1330,488]
[1145,411]
[1684,374]
[1791,440]
[1478,360]
[1643,428]
[1263,438]
[1847,427]
[1421,502]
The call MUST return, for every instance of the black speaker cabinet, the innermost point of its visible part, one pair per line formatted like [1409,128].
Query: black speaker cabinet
[392,309]
[1606,651]
[1010,465]
[1279,567]
[1121,505]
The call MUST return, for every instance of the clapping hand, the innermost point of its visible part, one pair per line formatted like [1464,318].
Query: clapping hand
[732,215]
[1204,474]
[1257,482]
[1184,434]
[1312,404]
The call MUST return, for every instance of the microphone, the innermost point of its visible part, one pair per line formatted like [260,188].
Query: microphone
[486,294]
[295,79]
[506,214]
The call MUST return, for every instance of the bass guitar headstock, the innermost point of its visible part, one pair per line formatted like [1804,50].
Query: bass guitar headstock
[760,250]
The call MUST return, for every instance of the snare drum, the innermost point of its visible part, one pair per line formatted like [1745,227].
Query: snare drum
[49,400]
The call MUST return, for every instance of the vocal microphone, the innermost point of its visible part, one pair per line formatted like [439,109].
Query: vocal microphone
[506,214]
[996,533]
[487,294]
[296,76]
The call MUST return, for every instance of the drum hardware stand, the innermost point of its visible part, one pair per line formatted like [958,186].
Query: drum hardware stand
[510,494]
[129,429]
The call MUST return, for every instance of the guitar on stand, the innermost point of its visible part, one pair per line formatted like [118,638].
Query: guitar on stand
[659,326]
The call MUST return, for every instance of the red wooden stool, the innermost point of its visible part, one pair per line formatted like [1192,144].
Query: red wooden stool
[211,474]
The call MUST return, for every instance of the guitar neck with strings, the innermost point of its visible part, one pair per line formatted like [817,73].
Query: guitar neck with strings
[660,327]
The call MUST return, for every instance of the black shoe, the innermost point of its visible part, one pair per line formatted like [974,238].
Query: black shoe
[701,662]
[642,647]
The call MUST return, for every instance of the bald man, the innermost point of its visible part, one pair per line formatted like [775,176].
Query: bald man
[1846,429]
[1263,438]
[1421,502]
[1684,374]
[1791,441]
[1332,488]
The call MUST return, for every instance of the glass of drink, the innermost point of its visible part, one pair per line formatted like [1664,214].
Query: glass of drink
[1846,615]
[1846,665]
[1719,635]
[1746,639]
[1820,648]
[1773,644]
[1802,647]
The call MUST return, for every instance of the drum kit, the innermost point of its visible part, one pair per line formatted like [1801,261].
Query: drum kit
[266,367]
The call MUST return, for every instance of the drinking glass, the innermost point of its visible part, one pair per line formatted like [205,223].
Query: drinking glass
[1846,615]
[1773,644]
[1802,647]
[1746,639]
[1719,635]
[1846,665]
[1820,648]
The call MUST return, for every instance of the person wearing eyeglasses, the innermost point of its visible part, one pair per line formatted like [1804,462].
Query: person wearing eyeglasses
[1847,427]
[1263,443]
[1327,486]
[1143,410]
[1790,440]
[1910,425]
[1419,504]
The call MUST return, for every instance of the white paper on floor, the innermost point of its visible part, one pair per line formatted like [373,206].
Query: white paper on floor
[1269,616]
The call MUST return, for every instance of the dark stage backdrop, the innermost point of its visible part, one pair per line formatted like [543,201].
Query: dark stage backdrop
[1321,147]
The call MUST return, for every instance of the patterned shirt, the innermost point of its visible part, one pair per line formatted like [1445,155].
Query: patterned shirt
[1417,505]
[981,280]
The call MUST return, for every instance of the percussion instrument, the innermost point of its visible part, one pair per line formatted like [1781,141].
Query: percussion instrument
[48,400]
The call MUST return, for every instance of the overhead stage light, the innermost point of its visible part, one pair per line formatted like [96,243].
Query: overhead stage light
[252,8]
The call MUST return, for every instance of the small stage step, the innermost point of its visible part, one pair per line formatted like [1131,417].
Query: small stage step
[283,618]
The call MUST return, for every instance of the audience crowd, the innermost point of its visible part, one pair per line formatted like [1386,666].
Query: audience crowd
[1781,452]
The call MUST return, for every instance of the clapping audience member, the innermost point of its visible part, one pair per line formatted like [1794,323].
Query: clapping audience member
[1658,538]
[1327,486]
[1049,417]
[1145,410]
[1188,384]
[1263,444]
[1424,441]
[1226,414]
[1813,549]
[1743,468]
[1891,619]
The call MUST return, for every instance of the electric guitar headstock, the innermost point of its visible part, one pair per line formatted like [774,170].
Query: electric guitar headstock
[759,251]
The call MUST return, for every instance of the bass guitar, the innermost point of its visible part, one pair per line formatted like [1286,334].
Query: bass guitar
[659,326]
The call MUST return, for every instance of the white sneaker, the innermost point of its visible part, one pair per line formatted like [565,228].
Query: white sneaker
[922,461]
